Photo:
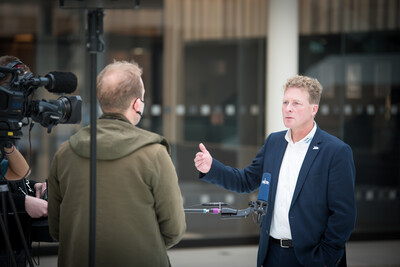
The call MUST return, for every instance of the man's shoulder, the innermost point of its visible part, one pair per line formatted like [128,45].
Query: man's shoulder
[329,139]
[63,148]
[153,139]
[155,150]
[277,135]
[325,136]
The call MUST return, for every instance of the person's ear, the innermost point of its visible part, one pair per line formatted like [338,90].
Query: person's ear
[315,109]
[135,104]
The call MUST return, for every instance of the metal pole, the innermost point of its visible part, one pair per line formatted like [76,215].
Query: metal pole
[94,45]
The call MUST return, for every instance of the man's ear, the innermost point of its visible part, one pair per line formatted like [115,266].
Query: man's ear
[315,109]
[135,104]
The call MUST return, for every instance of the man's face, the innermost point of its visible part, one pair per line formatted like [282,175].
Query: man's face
[298,114]
[142,99]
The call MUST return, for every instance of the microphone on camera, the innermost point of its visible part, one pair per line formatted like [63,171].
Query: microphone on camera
[262,199]
[56,82]
[61,82]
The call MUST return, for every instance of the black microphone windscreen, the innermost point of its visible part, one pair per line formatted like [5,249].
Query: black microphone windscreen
[264,187]
[61,82]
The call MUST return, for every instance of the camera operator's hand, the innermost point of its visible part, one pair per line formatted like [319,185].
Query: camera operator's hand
[35,207]
[40,188]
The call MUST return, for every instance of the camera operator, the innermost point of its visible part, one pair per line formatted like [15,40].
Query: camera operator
[14,167]
[26,193]
[27,204]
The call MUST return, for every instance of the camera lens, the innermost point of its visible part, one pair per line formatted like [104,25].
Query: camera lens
[65,108]
[70,108]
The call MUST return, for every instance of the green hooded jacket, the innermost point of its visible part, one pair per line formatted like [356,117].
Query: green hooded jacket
[139,209]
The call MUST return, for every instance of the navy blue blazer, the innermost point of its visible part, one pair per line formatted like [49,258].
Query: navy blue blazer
[323,210]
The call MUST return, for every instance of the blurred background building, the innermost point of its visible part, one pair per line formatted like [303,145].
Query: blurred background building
[214,71]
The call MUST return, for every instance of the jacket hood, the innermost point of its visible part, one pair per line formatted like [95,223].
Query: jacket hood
[116,138]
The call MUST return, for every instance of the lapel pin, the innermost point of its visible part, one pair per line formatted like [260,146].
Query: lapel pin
[315,148]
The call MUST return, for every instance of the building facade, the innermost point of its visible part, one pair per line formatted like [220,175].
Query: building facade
[214,71]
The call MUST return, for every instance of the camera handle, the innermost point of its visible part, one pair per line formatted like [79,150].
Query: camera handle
[4,189]
[5,143]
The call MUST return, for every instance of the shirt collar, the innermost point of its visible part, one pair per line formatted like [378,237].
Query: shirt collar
[306,140]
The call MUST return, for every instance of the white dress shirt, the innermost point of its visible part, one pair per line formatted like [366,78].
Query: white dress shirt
[288,174]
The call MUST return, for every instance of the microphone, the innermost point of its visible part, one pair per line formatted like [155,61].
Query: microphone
[56,82]
[262,199]
[226,213]
[214,204]
[259,207]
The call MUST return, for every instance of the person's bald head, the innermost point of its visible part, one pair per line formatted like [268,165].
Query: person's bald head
[117,84]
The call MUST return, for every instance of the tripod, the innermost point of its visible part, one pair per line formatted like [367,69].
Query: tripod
[4,189]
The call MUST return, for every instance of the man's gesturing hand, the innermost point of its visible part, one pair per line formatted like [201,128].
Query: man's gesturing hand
[203,159]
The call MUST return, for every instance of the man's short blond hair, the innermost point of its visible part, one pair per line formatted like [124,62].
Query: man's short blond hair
[311,85]
[117,84]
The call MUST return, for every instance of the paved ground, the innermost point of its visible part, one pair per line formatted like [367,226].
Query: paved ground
[359,254]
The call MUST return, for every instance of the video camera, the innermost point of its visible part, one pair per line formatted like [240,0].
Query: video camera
[16,100]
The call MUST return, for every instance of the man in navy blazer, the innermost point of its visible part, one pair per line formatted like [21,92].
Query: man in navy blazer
[312,208]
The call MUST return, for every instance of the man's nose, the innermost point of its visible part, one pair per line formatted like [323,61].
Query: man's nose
[289,107]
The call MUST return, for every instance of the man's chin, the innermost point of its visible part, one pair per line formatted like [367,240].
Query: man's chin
[288,123]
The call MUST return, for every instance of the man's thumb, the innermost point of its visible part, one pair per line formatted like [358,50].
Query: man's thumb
[203,148]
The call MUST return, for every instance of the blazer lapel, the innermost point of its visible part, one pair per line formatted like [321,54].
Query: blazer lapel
[312,153]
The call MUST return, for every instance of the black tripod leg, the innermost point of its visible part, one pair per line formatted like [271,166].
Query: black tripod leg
[21,232]
[5,234]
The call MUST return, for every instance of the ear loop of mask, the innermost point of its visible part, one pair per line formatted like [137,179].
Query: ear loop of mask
[137,111]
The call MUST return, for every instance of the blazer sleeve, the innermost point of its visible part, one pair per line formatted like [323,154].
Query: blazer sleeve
[341,205]
[234,179]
